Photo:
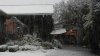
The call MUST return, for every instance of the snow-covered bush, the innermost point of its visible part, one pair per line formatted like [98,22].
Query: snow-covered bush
[26,40]
[29,47]
[13,48]
[47,45]
[12,43]
[3,48]
[24,48]
[30,40]
[57,43]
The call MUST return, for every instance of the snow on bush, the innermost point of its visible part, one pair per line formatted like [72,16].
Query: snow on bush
[30,40]
[26,40]
[47,45]
[3,48]
[11,43]
[13,48]
[29,47]
[57,43]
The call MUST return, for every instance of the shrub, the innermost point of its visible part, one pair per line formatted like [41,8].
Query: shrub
[29,47]
[26,40]
[57,43]
[30,40]
[13,48]
[47,45]
[3,48]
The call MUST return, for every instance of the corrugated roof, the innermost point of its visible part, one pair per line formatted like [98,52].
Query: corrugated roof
[28,9]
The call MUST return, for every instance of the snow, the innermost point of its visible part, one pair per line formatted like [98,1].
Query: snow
[58,31]
[51,52]
[19,2]
[28,7]
[70,52]
[30,47]
[26,53]
[33,9]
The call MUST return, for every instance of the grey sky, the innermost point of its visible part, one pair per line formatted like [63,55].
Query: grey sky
[19,2]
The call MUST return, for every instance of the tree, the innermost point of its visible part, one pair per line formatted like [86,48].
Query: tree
[83,14]
[92,24]
[73,13]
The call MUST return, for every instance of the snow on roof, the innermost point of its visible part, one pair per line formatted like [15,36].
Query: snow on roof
[28,9]
[58,31]
[19,2]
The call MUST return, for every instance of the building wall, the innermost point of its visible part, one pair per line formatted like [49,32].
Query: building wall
[40,24]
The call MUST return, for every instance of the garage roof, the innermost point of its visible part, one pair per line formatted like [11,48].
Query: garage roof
[28,9]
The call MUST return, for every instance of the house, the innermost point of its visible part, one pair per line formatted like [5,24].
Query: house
[37,17]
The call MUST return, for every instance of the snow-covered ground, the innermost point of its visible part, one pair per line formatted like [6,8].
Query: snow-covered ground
[26,53]
[70,52]
[51,52]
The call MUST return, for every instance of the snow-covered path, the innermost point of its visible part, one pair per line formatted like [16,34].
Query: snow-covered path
[71,52]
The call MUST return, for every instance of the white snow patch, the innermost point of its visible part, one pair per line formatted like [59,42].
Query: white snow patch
[58,31]
[33,9]
[23,53]
[40,52]
[20,2]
